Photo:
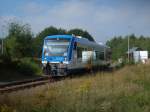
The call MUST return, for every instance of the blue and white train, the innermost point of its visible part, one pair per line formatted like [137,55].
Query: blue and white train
[64,54]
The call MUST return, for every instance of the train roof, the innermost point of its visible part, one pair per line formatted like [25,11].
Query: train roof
[59,36]
[92,44]
[81,40]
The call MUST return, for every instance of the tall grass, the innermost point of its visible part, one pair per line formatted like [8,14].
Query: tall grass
[126,90]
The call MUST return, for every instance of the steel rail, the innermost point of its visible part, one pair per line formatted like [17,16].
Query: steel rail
[19,85]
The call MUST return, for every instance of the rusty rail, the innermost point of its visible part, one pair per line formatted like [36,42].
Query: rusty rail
[19,85]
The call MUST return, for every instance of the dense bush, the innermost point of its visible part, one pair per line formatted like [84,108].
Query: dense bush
[5,58]
[27,66]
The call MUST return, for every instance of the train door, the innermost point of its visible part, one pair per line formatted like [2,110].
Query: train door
[74,56]
[74,59]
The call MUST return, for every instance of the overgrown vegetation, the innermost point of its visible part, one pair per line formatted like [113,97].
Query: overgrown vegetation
[27,66]
[126,90]
[19,41]
[20,69]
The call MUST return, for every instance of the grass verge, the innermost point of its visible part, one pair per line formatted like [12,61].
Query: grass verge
[126,90]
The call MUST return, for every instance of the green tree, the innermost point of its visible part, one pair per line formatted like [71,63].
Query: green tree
[119,45]
[80,32]
[18,43]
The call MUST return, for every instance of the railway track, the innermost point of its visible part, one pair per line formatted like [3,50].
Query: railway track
[19,85]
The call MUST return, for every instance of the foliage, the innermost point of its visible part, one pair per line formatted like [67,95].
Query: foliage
[80,32]
[27,66]
[18,43]
[6,108]
[119,45]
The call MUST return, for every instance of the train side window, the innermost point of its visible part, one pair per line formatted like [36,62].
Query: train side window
[100,55]
[79,52]
[97,54]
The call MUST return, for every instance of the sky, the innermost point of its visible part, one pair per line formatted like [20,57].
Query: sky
[103,19]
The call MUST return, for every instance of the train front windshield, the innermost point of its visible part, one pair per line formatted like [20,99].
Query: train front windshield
[56,47]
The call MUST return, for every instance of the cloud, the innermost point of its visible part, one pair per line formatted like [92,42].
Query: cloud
[103,20]
[32,8]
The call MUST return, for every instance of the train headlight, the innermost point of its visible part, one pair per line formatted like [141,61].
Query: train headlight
[65,62]
[44,63]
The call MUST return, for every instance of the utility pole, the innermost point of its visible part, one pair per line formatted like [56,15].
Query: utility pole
[128,48]
[2,41]
[104,52]
[129,27]
[2,47]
